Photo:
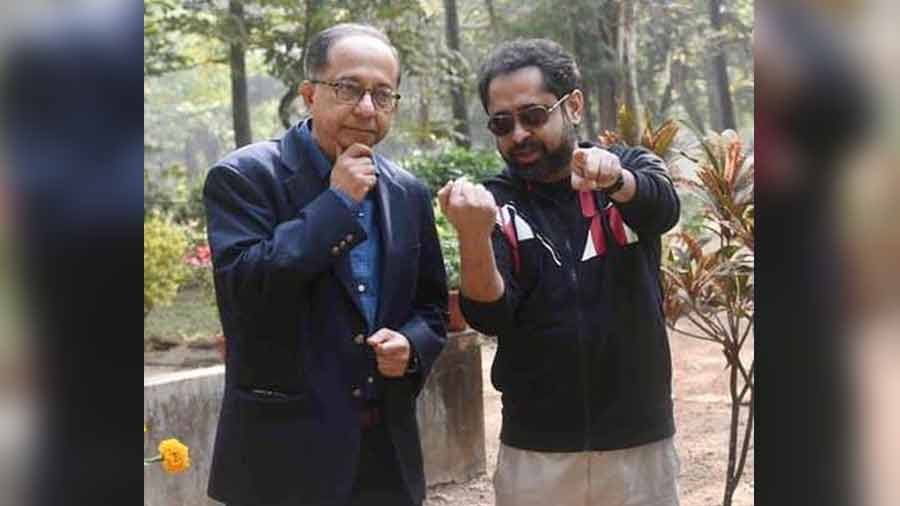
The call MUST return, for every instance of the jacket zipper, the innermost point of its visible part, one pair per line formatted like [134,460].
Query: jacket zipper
[582,346]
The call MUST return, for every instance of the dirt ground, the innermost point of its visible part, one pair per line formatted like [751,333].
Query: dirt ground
[701,418]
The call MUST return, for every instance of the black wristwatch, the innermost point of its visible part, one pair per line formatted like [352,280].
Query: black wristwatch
[616,186]
[413,364]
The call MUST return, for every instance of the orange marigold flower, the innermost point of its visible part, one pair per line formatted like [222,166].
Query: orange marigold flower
[175,456]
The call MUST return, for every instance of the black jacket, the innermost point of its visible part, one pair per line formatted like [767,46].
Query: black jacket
[583,360]
[289,431]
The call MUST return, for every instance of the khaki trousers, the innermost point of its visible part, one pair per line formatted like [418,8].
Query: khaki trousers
[641,476]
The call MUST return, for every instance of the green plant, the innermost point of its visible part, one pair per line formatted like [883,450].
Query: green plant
[165,245]
[708,279]
[435,169]
[449,247]
[175,193]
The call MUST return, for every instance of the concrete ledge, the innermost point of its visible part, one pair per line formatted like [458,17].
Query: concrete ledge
[450,411]
[185,405]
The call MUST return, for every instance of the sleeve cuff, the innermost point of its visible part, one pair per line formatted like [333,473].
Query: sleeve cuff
[347,200]
[487,317]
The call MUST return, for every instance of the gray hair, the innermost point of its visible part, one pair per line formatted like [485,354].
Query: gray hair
[317,52]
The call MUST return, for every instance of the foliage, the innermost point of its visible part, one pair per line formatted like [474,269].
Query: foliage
[200,270]
[658,140]
[437,168]
[175,194]
[708,280]
[164,271]
[449,246]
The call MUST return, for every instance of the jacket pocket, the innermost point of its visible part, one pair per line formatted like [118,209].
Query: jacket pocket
[273,443]
[267,402]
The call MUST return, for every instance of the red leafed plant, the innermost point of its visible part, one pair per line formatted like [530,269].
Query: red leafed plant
[708,279]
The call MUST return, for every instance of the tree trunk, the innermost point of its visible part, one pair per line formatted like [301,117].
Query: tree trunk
[284,105]
[607,82]
[582,58]
[718,74]
[628,61]
[457,94]
[423,140]
[712,97]
[240,107]
[492,17]
[687,96]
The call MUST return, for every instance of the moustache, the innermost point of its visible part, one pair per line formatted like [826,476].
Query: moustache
[526,147]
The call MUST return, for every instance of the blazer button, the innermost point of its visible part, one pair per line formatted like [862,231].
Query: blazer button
[335,250]
[342,244]
[359,339]
[349,237]
[357,393]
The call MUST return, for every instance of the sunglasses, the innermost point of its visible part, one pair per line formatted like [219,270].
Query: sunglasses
[531,117]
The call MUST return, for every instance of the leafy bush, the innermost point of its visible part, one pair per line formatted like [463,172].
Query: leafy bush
[175,193]
[449,247]
[708,279]
[165,244]
[200,272]
[435,169]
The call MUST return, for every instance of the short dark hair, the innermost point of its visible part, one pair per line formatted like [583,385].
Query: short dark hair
[557,66]
[317,52]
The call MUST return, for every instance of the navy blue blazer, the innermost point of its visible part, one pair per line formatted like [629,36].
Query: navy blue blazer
[288,431]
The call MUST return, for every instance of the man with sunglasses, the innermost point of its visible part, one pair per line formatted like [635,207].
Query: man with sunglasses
[332,294]
[560,259]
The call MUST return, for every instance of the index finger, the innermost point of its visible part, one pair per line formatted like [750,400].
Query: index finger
[443,195]
[358,150]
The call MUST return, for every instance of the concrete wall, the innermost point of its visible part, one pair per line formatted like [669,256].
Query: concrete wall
[450,410]
[186,405]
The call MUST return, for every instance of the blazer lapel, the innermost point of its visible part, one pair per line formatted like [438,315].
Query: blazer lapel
[303,186]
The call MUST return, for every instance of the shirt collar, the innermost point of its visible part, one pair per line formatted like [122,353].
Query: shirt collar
[311,151]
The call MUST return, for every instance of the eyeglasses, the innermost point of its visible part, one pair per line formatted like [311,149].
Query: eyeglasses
[531,117]
[351,92]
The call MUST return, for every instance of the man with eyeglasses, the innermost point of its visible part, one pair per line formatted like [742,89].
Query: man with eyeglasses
[332,293]
[560,259]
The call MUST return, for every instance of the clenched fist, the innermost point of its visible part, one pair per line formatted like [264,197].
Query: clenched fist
[354,171]
[470,208]
[391,352]
[594,168]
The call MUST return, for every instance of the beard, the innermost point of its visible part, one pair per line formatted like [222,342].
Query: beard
[549,165]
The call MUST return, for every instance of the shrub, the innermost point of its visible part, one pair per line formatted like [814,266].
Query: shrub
[173,192]
[199,267]
[165,244]
[435,169]
[449,247]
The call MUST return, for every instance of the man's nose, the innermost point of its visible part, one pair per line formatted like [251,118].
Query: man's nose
[365,106]
[519,133]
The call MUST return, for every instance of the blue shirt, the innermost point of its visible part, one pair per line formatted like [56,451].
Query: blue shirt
[365,257]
